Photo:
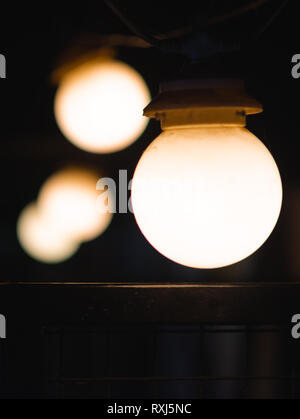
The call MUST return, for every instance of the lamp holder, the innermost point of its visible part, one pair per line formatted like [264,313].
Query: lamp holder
[206,102]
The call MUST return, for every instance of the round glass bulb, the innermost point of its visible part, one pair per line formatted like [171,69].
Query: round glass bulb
[207,197]
[68,200]
[99,106]
[40,240]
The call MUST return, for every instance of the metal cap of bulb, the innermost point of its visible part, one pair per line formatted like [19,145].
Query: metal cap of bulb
[210,102]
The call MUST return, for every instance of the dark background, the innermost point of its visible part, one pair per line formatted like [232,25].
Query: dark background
[33,38]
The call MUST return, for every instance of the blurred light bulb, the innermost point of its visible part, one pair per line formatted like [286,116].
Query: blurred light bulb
[207,197]
[68,200]
[41,240]
[98,106]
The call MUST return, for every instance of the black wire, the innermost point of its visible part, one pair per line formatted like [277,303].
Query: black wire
[198,44]
[270,21]
[195,46]
[238,12]
[130,25]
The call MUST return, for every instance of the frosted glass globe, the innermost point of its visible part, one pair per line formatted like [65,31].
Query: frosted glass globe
[99,106]
[40,240]
[68,200]
[207,197]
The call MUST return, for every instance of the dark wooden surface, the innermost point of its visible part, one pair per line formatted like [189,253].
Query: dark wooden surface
[142,303]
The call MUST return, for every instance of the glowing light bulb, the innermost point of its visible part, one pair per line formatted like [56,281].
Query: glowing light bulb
[41,240]
[206,193]
[207,197]
[98,106]
[68,200]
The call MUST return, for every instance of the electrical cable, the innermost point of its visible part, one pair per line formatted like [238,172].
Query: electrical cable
[237,12]
[270,21]
[195,46]
[147,38]
[176,33]
[189,40]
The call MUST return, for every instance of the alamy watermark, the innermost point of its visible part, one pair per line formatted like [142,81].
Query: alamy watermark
[114,196]
[186,192]
[162,409]
[2,67]
[296,327]
[296,66]
[2,327]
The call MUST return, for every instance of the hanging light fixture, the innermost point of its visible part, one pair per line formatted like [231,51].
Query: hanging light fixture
[206,193]
[41,240]
[65,215]
[68,200]
[99,102]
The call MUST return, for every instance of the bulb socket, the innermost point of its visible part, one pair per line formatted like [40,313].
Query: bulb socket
[207,102]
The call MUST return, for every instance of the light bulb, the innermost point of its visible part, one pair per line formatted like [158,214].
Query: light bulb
[98,106]
[41,240]
[68,200]
[207,197]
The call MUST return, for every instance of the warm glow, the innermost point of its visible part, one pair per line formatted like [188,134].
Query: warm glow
[99,106]
[207,197]
[69,200]
[41,240]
